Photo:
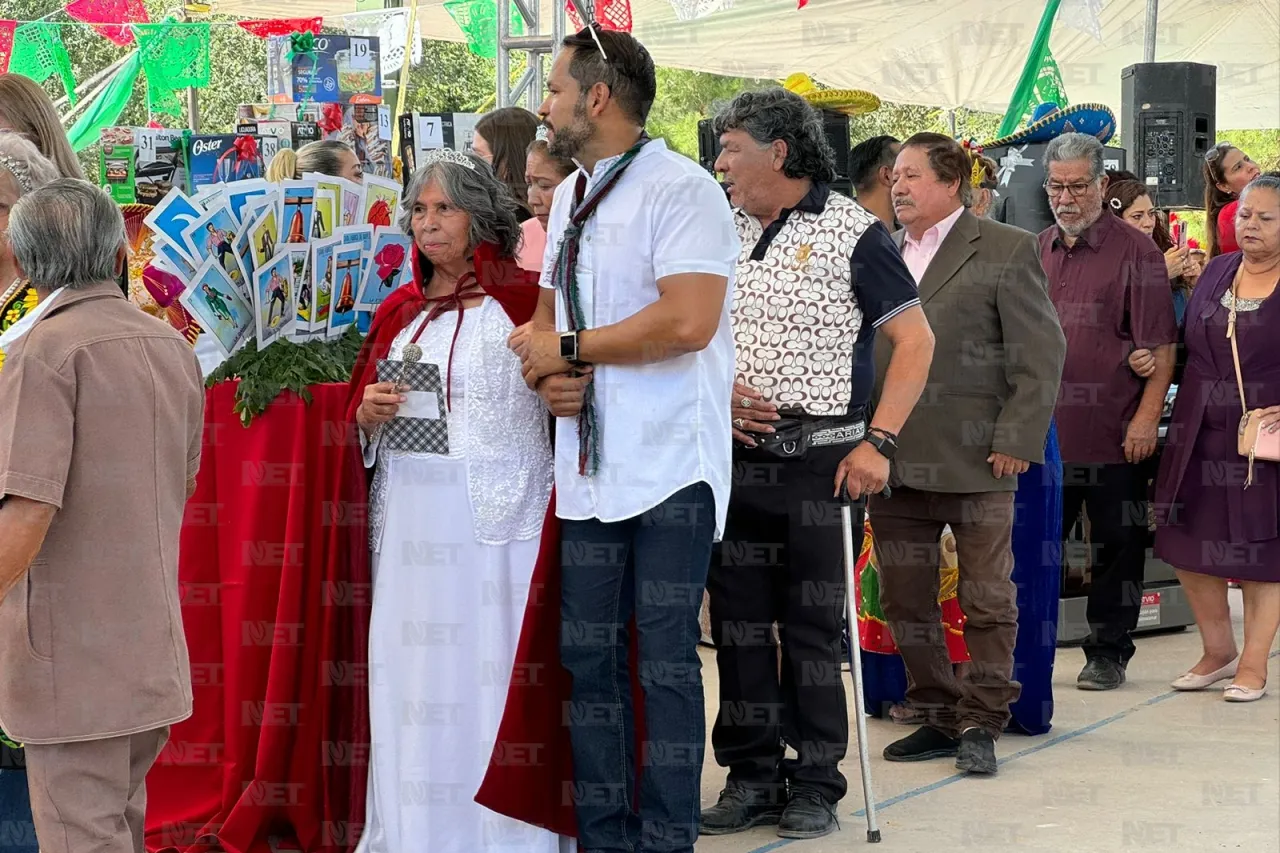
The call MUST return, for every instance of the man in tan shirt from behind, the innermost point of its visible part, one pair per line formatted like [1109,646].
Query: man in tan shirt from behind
[101,415]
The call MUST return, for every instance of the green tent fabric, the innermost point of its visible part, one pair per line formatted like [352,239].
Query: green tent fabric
[106,107]
[38,53]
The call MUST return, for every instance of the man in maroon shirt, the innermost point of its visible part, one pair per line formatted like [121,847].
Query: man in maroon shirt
[1108,282]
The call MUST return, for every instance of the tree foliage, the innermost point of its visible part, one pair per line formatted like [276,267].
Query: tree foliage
[687,97]
[450,79]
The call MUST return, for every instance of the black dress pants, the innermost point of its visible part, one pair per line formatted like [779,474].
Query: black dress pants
[781,561]
[1115,499]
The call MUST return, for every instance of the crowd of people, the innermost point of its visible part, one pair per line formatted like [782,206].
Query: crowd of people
[644,375]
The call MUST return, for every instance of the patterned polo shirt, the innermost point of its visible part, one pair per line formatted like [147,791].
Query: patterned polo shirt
[810,291]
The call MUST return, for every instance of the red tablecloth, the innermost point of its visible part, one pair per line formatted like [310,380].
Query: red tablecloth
[277,629]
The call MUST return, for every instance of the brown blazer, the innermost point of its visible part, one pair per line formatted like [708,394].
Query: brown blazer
[997,361]
[101,416]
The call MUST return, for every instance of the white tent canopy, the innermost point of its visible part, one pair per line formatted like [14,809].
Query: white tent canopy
[948,53]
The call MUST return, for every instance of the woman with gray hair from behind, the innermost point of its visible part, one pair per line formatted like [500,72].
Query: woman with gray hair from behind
[461,462]
[22,169]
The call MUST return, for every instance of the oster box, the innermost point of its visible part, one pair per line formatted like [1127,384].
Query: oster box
[157,163]
[226,157]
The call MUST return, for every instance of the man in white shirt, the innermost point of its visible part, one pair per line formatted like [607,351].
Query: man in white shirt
[640,257]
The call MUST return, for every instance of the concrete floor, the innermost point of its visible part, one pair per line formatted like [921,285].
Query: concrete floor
[1139,768]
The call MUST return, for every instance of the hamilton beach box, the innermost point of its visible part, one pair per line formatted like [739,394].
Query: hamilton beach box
[341,70]
[141,164]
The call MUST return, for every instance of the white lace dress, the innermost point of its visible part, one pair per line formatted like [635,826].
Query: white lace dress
[454,542]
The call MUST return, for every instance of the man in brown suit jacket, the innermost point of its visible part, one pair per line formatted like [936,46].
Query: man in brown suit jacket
[981,421]
[101,415]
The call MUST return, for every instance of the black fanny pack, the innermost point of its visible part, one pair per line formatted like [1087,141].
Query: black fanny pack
[793,436]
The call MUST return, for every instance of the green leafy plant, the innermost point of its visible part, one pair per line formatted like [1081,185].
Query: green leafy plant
[286,366]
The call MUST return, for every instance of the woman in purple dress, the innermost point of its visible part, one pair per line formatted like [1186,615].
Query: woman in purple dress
[1212,526]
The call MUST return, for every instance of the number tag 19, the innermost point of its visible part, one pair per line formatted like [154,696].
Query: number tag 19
[361,58]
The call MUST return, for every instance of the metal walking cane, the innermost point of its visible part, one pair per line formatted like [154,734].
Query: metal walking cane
[848,508]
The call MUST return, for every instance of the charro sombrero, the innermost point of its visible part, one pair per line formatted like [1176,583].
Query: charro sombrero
[1048,122]
[851,102]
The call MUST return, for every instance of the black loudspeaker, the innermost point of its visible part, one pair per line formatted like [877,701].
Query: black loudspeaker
[1167,118]
[1020,197]
[835,125]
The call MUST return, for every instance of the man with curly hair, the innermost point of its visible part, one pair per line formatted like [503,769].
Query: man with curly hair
[817,276]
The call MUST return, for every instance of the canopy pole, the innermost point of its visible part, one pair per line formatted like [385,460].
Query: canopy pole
[1149,35]
[193,94]
[951,122]
[504,54]
[535,43]
[402,89]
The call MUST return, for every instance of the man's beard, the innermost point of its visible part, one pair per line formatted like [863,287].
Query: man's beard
[1075,229]
[568,142]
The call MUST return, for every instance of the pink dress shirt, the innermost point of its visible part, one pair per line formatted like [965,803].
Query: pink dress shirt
[919,253]
[529,255]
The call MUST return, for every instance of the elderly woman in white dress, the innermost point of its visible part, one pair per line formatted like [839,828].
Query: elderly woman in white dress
[462,474]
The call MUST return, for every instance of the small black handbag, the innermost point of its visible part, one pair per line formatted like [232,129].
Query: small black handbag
[793,436]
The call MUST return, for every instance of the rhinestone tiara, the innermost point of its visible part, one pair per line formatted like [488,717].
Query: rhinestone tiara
[446,155]
[19,171]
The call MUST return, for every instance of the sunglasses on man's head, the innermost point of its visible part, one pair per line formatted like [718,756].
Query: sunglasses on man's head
[594,29]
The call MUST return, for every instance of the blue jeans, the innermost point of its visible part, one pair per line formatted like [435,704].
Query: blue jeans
[653,568]
[17,830]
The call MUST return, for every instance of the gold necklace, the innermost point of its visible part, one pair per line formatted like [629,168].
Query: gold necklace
[12,292]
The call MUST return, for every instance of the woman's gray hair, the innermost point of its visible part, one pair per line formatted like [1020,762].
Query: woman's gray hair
[1262,182]
[67,233]
[1076,146]
[479,193]
[776,114]
[22,159]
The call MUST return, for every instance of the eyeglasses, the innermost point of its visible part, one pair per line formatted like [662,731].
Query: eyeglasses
[1076,190]
[1217,151]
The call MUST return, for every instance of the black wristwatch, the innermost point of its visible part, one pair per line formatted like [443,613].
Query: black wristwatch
[884,443]
[569,347]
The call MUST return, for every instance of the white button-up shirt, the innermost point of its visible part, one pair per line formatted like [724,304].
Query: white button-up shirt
[918,253]
[662,426]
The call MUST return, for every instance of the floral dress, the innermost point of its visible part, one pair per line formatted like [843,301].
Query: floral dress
[16,306]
